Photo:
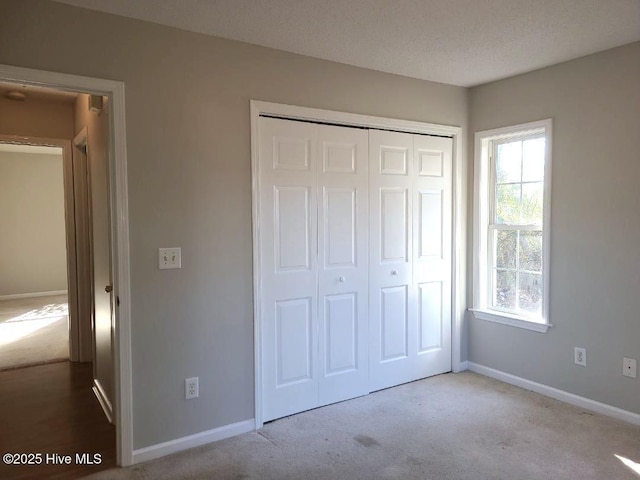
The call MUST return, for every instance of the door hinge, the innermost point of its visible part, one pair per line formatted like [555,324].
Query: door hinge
[117,300]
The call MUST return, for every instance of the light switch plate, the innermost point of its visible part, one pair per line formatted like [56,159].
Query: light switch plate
[169,258]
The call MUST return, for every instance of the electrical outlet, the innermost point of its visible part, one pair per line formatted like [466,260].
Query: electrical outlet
[169,258]
[629,367]
[191,388]
[580,356]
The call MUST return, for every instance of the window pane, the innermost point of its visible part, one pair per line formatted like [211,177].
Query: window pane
[530,292]
[532,203]
[505,292]
[508,203]
[531,251]
[506,249]
[508,162]
[533,160]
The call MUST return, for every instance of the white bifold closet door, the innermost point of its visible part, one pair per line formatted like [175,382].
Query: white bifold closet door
[410,257]
[314,264]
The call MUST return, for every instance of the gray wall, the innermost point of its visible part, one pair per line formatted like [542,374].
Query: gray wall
[188,142]
[595,248]
[33,253]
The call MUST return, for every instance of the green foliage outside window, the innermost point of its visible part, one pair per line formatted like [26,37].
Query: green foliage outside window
[519,175]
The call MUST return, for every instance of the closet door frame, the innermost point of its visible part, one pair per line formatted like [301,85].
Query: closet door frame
[458,266]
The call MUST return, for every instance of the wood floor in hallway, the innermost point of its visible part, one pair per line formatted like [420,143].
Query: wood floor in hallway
[51,409]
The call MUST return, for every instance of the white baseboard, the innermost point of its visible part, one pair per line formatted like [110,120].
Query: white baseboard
[561,395]
[461,367]
[34,294]
[191,441]
[103,400]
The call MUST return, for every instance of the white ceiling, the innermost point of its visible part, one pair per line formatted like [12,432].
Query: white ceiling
[460,42]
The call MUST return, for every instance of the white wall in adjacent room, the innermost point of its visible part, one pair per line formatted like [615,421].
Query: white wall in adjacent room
[32,239]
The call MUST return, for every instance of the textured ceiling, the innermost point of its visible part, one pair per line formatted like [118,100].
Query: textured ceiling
[460,42]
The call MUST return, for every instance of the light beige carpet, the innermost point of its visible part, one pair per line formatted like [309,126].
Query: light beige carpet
[33,330]
[454,427]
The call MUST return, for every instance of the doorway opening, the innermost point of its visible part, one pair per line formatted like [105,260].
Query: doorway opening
[71,117]
[34,309]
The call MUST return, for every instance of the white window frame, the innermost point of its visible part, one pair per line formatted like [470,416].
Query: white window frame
[484,204]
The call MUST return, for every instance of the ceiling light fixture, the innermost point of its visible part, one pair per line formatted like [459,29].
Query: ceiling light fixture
[16,95]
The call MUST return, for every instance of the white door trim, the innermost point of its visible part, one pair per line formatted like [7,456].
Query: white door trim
[350,119]
[119,232]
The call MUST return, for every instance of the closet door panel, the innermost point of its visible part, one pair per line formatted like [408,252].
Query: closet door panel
[410,281]
[391,302]
[355,261]
[432,256]
[289,267]
[343,235]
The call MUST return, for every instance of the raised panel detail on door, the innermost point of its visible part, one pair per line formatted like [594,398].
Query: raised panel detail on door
[291,153]
[430,220]
[394,160]
[394,322]
[432,262]
[430,163]
[390,261]
[354,240]
[410,294]
[394,219]
[340,226]
[292,227]
[339,157]
[293,341]
[288,240]
[343,241]
[429,316]
[341,324]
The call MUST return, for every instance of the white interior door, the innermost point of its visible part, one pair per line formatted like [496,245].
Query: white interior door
[355,261]
[314,247]
[410,257]
[289,267]
[100,253]
[391,297]
[343,240]
[432,253]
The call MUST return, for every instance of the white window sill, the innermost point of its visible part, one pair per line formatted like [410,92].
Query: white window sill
[512,320]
